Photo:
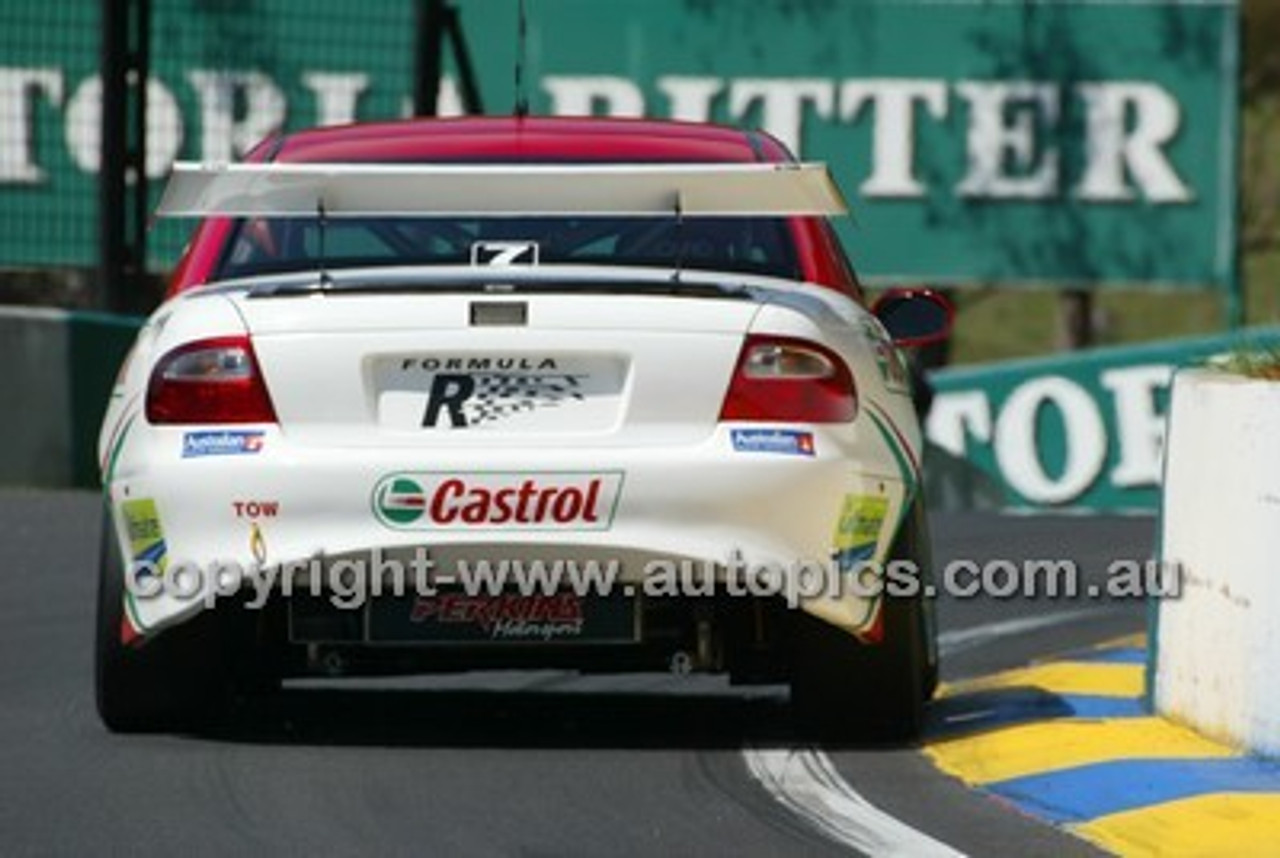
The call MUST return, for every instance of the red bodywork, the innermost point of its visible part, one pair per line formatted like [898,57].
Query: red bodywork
[509,139]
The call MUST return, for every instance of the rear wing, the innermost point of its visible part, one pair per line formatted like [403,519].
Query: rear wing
[497,190]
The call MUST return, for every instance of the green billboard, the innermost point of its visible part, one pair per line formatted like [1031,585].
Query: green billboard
[1083,431]
[996,142]
[1056,142]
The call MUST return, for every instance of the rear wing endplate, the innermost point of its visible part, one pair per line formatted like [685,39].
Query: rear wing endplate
[500,190]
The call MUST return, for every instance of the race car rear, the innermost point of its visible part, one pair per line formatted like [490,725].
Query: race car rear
[504,465]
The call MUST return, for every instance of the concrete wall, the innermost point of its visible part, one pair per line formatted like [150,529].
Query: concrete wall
[35,398]
[1218,644]
[58,368]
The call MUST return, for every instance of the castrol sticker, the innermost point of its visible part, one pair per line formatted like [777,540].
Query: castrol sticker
[497,501]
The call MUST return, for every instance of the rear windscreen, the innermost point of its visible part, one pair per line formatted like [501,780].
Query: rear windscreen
[749,245]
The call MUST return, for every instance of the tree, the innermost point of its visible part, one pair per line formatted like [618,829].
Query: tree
[1260,96]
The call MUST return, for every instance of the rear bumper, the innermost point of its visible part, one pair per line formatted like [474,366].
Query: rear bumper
[262,503]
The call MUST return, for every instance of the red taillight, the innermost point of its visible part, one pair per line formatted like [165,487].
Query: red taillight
[209,381]
[779,379]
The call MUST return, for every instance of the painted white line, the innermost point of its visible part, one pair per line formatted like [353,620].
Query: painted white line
[805,781]
[950,643]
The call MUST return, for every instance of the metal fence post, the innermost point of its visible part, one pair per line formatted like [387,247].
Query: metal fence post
[122,178]
[436,21]
[428,56]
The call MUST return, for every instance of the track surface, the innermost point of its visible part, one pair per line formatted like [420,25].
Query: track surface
[528,764]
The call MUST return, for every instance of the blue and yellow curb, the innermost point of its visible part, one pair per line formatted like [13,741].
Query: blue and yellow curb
[1072,742]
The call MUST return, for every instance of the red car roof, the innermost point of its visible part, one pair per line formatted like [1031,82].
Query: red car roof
[533,138]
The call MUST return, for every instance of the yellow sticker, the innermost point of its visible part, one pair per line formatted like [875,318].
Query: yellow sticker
[858,532]
[146,535]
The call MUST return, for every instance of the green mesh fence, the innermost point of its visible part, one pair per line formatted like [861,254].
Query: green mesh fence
[224,74]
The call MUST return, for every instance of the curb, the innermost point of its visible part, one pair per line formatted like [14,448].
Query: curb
[1072,742]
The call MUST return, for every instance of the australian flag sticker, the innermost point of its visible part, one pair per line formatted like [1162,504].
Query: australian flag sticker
[221,443]
[788,442]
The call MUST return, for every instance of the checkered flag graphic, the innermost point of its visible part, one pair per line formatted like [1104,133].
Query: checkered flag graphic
[501,395]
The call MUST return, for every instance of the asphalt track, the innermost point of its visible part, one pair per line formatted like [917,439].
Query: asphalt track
[524,764]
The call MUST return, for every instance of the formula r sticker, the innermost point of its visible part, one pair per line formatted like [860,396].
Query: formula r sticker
[858,532]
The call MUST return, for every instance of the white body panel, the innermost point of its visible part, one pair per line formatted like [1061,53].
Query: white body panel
[675,482]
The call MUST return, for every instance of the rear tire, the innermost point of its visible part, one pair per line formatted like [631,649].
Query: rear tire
[844,690]
[174,681]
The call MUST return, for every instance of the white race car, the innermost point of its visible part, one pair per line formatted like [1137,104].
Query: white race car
[458,394]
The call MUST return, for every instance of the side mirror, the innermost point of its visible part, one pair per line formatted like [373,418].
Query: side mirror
[914,317]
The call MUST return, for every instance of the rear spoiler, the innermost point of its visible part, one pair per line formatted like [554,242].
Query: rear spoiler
[398,190]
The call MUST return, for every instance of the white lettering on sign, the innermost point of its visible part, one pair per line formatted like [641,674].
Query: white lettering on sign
[84,127]
[689,98]
[1007,158]
[20,90]
[782,104]
[226,129]
[1017,447]
[581,96]
[1010,137]
[1140,428]
[1012,130]
[337,95]
[1127,126]
[962,420]
[893,138]
[954,418]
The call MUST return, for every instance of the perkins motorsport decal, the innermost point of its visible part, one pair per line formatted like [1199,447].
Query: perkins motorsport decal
[221,443]
[547,618]
[784,441]
[147,547]
[509,616]
[497,501]
[858,531]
